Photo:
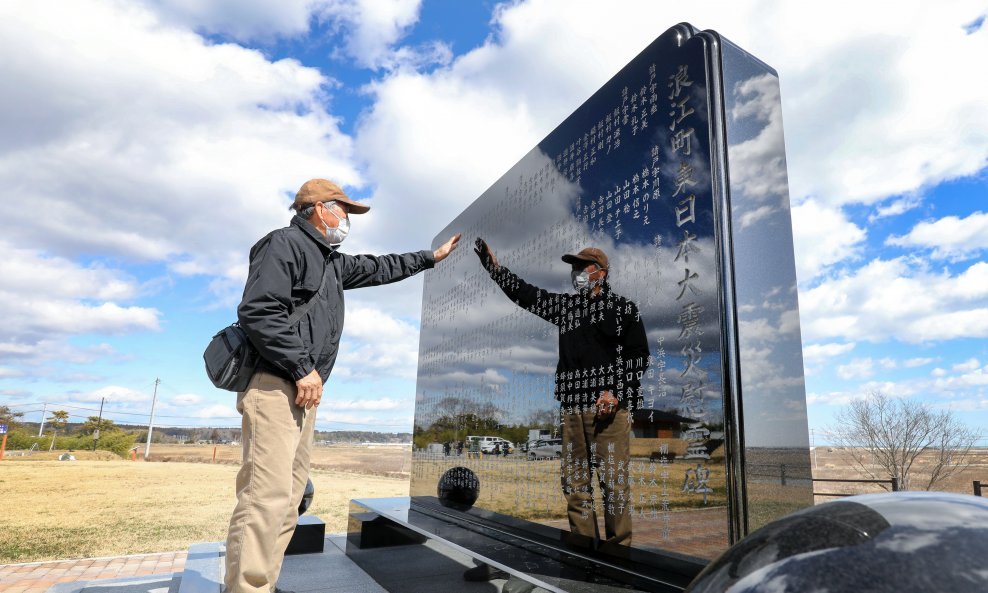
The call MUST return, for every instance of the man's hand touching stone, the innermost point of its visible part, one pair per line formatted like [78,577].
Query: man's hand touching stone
[446,248]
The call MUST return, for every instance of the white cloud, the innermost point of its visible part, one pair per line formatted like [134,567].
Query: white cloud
[865,389]
[821,353]
[896,207]
[963,378]
[114,394]
[384,403]
[217,411]
[376,344]
[368,28]
[241,19]
[186,399]
[329,419]
[951,237]
[170,149]
[966,366]
[371,28]
[917,362]
[822,237]
[859,368]
[897,299]
[131,141]
[47,296]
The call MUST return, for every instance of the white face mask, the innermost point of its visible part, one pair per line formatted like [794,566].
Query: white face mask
[336,236]
[581,279]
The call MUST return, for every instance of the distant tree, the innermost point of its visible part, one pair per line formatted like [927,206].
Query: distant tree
[215,436]
[548,419]
[9,417]
[95,422]
[884,437]
[57,421]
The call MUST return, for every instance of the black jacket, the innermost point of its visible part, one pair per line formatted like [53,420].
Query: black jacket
[286,268]
[602,341]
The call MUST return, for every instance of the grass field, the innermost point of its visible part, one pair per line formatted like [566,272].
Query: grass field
[99,507]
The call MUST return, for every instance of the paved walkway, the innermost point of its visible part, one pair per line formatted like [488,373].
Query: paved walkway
[37,577]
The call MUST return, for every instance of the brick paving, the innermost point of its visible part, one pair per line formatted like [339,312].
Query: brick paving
[37,577]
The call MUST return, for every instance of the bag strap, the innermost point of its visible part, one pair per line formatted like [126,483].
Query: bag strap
[298,313]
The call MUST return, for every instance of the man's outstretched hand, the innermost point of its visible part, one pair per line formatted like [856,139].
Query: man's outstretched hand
[446,248]
[487,257]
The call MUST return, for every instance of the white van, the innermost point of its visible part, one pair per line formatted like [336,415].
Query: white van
[487,443]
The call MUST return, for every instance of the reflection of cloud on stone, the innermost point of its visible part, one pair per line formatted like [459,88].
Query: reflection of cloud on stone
[758,165]
[760,213]
[789,322]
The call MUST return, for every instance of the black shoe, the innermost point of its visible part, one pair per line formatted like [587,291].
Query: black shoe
[484,572]
[280,590]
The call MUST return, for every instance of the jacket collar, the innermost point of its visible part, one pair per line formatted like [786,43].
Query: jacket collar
[310,230]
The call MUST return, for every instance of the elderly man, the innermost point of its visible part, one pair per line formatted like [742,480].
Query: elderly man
[287,269]
[603,351]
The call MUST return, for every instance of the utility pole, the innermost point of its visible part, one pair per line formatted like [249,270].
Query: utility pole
[154,399]
[43,414]
[99,423]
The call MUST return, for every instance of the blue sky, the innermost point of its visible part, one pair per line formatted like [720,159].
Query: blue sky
[148,143]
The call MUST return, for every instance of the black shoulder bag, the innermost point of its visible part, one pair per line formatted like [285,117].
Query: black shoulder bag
[230,357]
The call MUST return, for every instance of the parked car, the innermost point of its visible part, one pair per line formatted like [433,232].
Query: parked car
[487,443]
[546,449]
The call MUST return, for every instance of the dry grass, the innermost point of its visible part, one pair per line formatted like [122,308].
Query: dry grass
[835,464]
[386,461]
[86,508]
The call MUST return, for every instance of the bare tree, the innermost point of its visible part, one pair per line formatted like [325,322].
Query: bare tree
[884,437]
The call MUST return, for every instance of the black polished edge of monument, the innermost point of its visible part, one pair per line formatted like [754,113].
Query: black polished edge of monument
[733,411]
[652,568]
[309,536]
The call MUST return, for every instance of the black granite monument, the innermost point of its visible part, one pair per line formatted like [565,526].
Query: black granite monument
[675,170]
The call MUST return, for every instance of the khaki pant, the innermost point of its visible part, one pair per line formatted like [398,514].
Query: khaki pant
[601,446]
[277,442]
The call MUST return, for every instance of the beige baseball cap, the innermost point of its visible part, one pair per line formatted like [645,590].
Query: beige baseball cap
[323,190]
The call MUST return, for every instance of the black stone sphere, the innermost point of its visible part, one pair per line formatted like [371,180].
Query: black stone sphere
[458,488]
[902,542]
[306,498]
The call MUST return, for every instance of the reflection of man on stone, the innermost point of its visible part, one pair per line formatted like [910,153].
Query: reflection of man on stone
[603,351]
[288,267]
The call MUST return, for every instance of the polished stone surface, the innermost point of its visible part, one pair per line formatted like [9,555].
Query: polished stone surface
[676,170]
[309,536]
[903,542]
[537,557]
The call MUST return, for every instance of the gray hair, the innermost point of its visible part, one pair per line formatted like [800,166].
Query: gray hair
[307,211]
